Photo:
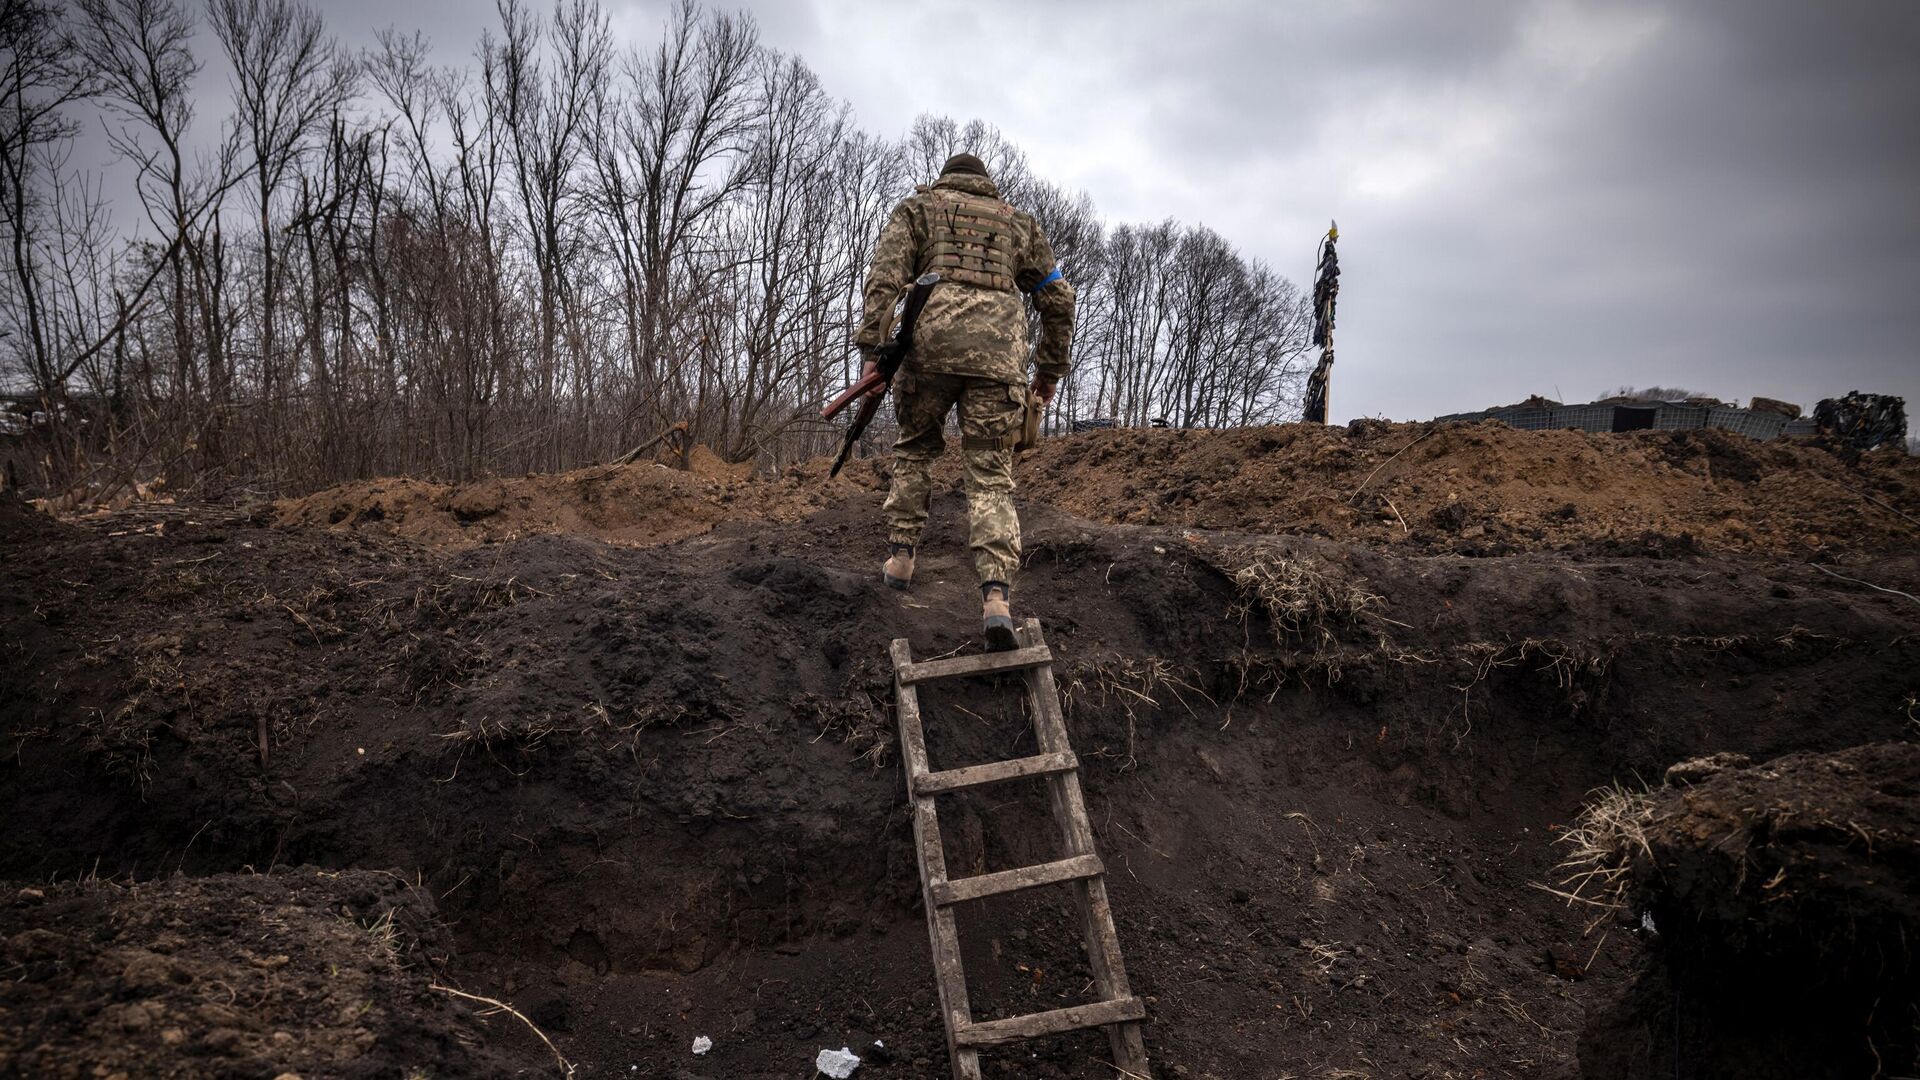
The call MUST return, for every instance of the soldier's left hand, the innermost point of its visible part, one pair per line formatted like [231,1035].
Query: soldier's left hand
[869,367]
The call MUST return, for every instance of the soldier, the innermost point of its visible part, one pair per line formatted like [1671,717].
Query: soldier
[970,349]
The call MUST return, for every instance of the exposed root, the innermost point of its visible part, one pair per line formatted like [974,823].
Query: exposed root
[566,1067]
[1868,584]
[858,723]
[1477,986]
[1326,956]
[1134,684]
[1303,599]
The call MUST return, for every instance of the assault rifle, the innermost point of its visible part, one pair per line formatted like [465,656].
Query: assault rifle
[878,376]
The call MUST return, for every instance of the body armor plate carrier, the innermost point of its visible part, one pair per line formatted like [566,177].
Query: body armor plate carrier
[972,241]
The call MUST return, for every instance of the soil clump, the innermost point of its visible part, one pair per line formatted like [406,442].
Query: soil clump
[1786,897]
[299,973]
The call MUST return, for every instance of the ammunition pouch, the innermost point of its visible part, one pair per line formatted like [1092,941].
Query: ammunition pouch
[1030,427]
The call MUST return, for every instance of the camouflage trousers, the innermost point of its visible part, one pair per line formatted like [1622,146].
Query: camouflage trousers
[990,416]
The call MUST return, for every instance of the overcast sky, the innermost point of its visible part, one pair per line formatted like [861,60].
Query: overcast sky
[1551,197]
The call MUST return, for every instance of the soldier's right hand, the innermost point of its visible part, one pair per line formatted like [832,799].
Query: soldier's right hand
[1043,388]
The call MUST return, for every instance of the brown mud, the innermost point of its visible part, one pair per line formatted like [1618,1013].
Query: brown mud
[1469,489]
[641,504]
[1486,488]
[652,792]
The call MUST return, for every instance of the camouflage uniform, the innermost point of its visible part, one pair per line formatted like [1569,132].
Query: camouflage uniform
[970,349]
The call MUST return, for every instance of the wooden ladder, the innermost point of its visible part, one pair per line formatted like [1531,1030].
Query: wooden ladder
[1117,1010]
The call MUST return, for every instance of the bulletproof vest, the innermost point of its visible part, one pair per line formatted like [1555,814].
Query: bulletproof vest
[970,240]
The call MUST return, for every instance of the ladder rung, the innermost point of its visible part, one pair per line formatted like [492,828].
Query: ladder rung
[995,771]
[1025,877]
[1034,1025]
[977,664]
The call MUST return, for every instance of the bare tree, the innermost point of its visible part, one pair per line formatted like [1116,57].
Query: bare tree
[141,52]
[784,273]
[546,103]
[670,153]
[38,81]
[287,78]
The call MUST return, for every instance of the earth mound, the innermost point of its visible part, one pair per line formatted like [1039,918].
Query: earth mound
[1786,897]
[303,972]
[638,504]
[1485,488]
[1469,489]
[1427,489]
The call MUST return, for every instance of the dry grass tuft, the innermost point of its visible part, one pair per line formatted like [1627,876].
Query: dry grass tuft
[858,722]
[383,937]
[1302,597]
[1602,843]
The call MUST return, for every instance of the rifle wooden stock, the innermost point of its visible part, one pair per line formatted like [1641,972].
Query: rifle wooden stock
[868,406]
[872,381]
[887,359]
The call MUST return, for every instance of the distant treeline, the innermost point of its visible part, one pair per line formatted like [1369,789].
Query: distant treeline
[376,264]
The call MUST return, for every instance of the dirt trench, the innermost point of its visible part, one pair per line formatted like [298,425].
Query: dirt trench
[652,791]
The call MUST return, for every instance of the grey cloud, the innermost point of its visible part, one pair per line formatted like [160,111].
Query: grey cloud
[1728,204]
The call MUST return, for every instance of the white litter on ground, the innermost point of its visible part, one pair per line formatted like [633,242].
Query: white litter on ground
[702,1044]
[836,1064]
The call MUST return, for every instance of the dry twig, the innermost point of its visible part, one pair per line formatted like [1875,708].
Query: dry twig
[1868,584]
[566,1067]
[1891,510]
[1389,461]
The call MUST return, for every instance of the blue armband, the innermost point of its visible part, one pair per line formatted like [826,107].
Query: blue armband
[1056,275]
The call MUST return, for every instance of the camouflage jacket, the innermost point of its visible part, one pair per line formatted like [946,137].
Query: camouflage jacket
[970,329]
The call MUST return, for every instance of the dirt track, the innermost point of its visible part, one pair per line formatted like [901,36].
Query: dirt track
[652,792]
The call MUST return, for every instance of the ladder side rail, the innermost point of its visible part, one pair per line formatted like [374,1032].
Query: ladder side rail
[950,978]
[1090,894]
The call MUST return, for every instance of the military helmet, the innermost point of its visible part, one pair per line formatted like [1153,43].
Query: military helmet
[964,163]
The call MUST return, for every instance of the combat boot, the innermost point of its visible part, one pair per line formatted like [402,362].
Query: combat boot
[997,615]
[899,569]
